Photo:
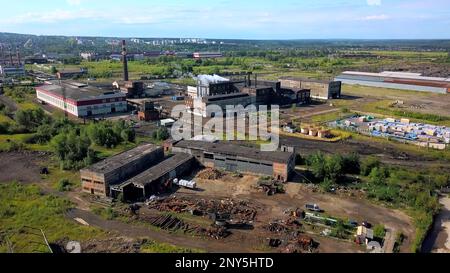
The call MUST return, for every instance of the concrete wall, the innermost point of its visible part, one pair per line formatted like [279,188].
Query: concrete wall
[93,181]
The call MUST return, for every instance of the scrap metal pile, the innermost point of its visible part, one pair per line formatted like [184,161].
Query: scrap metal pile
[169,222]
[271,187]
[286,233]
[234,211]
[210,174]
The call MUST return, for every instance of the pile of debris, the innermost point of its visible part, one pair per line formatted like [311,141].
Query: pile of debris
[169,222]
[283,226]
[236,211]
[271,187]
[301,244]
[210,174]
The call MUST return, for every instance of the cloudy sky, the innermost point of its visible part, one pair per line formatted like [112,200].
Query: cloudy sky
[246,19]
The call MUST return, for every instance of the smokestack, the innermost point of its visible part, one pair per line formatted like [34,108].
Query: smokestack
[125,61]
[2,55]
[18,55]
[10,56]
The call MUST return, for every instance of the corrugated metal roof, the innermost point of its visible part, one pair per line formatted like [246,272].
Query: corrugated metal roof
[398,75]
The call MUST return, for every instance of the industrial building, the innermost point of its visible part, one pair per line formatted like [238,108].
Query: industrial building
[12,71]
[320,90]
[397,80]
[207,55]
[144,171]
[71,74]
[81,100]
[11,67]
[98,178]
[234,158]
[220,91]
[152,181]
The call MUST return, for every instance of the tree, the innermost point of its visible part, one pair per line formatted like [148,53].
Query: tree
[73,150]
[31,119]
[333,167]
[161,134]
[368,164]
[53,70]
[351,164]
[317,164]
[378,176]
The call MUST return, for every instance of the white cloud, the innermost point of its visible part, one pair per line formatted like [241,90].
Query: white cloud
[379,17]
[74,2]
[374,2]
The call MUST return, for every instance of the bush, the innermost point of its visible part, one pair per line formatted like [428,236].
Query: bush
[64,185]
[368,164]
[161,134]
[379,231]
[73,150]
[351,164]
[31,119]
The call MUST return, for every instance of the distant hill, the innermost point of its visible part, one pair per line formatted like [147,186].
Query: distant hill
[30,44]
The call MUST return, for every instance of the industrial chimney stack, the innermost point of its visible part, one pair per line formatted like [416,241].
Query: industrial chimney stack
[125,61]
[18,56]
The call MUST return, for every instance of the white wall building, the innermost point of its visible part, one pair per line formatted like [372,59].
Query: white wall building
[81,100]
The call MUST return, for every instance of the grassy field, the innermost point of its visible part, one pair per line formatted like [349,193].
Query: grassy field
[24,207]
[154,247]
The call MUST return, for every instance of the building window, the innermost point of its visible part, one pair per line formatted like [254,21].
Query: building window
[209,156]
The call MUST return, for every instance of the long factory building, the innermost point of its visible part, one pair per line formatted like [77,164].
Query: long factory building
[145,170]
[234,158]
[396,80]
[81,100]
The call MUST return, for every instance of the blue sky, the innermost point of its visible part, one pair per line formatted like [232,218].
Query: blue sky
[241,19]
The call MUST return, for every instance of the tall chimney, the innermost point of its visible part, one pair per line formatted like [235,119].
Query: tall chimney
[18,55]
[10,57]
[125,61]
[2,55]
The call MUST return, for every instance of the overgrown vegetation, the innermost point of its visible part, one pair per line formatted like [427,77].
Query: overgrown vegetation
[412,190]
[162,133]
[24,209]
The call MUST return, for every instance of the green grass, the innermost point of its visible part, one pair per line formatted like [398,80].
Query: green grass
[328,117]
[25,206]
[409,148]
[17,138]
[5,119]
[155,247]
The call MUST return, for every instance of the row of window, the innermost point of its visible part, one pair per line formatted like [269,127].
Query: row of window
[56,102]
[95,190]
[211,156]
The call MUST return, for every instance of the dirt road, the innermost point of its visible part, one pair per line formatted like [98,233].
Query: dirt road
[140,231]
[438,239]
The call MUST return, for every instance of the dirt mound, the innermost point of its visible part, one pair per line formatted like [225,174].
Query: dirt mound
[210,174]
